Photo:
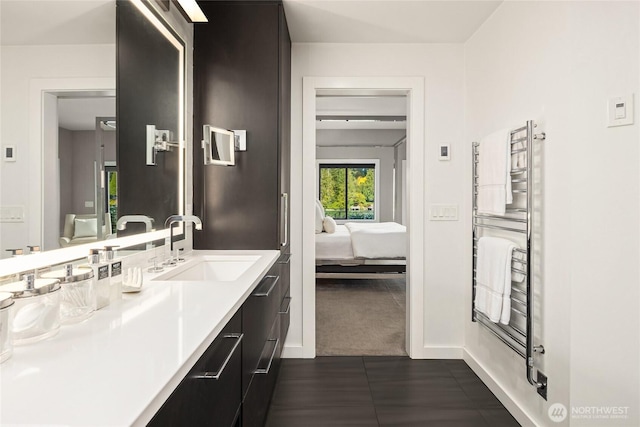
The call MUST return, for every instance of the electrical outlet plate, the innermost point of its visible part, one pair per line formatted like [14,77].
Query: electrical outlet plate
[443,212]
[542,391]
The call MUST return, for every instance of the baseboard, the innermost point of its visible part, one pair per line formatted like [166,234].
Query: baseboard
[496,388]
[300,352]
[296,352]
[438,353]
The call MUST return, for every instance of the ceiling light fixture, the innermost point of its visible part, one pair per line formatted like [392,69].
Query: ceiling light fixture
[192,10]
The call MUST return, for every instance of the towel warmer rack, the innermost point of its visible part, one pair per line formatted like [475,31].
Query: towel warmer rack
[518,334]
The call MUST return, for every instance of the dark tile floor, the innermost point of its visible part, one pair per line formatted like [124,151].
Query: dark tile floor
[382,391]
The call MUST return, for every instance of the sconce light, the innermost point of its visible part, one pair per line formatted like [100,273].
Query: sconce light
[191,10]
[158,141]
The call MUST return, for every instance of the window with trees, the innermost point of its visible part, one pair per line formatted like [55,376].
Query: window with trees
[347,191]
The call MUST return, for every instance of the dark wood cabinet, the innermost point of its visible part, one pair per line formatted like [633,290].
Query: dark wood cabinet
[211,394]
[242,80]
[233,381]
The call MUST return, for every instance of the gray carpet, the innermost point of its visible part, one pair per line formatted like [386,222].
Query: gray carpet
[356,317]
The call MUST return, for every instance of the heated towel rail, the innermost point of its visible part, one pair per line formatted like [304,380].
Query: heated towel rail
[515,224]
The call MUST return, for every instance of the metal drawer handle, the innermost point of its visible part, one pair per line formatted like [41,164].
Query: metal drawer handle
[216,374]
[273,354]
[285,259]
[284,241]
[288,306]
[273,285]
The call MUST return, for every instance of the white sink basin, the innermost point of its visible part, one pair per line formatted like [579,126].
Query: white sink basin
[219,268]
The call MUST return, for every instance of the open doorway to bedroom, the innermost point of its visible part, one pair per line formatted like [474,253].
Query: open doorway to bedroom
[361,243]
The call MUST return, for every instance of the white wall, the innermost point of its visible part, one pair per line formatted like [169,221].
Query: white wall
[558,63]
[442,67]
[385,183]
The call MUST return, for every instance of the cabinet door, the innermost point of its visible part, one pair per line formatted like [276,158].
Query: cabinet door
[236,87]
[284,130]
[259,312]
[210,395]
[258,398]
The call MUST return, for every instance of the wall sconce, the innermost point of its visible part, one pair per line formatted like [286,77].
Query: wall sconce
[191,10]
[158,141]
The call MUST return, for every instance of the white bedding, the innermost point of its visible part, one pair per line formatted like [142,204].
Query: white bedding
[385,240]
[378,240]
[335,245]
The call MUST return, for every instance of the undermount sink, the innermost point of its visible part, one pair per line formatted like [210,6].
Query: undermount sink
[219,268]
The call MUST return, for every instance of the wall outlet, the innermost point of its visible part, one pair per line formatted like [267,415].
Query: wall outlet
[542,391]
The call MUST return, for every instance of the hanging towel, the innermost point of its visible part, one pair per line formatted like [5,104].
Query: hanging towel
[494,173]
[493,278]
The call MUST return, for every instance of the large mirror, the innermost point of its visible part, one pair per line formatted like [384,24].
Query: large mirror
[83,106]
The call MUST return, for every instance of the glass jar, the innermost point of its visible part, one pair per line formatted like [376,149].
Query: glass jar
[36,310]
[6,320]
[78,299]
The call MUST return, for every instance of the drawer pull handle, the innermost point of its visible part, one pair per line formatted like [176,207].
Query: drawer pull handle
[285,259]
[286,311]
[265,371]
[273,285]
[216,374]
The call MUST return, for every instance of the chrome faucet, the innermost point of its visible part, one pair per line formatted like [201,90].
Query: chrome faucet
[173,219]
[123,220]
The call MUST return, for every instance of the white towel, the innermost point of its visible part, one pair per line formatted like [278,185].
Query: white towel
[493,278]
[494,173]
[519,160]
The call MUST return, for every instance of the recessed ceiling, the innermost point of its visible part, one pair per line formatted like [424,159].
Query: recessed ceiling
[80,113]
[47,22]
[385,21]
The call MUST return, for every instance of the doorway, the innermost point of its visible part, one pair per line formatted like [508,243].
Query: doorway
[360,297]
[413,91]
[78,141]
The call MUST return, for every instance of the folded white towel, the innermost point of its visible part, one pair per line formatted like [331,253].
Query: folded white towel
[494,173]
[493,278]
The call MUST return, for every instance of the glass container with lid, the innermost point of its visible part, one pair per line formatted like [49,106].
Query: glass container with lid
[78,299]
[36,310]
[6,319]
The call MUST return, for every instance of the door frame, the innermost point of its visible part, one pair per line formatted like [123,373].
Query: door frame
[413,88]
[38,90]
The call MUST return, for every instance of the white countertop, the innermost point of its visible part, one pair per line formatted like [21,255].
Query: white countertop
[118,367]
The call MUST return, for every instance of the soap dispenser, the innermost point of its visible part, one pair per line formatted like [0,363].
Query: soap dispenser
[101,277]
[115,272]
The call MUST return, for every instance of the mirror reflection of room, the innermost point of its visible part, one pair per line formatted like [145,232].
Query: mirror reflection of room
[59,77]
[87,170]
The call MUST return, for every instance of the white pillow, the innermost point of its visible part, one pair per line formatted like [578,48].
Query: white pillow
[319,218]
[329,224]
[319,203]
[85,227]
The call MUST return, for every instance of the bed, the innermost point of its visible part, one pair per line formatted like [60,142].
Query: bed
[362,248]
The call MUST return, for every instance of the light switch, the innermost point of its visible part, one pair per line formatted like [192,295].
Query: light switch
[620,111]
[11,214]
[443,213]
[88,203]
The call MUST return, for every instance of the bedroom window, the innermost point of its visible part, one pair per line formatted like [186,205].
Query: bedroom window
[348,191]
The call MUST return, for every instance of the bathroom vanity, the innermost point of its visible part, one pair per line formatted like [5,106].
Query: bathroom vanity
[154,356]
